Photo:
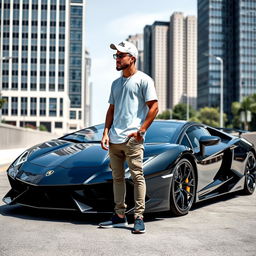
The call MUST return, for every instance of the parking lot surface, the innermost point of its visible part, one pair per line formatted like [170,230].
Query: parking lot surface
[223,226]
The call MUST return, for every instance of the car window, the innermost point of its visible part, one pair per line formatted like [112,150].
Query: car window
[185,141]
[195,133]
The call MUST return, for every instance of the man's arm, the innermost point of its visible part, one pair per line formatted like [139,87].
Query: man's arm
[108,123]
[153,110]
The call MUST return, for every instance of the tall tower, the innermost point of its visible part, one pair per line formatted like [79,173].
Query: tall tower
[182,60]
[137,40]
[43,63]
[147,50]
[226,29]
[159,68]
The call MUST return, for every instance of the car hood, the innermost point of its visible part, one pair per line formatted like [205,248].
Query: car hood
[73,155]
[67,163]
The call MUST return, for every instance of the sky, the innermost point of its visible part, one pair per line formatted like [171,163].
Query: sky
[112,21]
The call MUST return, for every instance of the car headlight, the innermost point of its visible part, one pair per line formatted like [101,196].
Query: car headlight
[21,159]
[13,171]
[14,168]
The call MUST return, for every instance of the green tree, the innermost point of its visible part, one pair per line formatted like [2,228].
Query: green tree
[180,112]
[210,116]
[164,115]
[43,128]
[235,110]
[247,104]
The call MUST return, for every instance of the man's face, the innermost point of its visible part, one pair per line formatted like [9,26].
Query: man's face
[123,60]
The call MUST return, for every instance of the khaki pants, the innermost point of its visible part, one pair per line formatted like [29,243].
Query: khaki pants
[131,151]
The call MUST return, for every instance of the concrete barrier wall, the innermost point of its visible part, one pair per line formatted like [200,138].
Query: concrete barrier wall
[14,137]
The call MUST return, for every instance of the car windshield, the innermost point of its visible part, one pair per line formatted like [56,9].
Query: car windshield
[162,132]
[88,135]
[158,132]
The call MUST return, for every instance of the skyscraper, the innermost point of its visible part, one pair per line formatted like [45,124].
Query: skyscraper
[137,40]
[226,29]
[182,60]
[160,61]
[147,49]
[43,81]
[170,57]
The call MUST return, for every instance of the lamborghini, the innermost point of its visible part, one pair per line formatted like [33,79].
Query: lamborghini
[184,163]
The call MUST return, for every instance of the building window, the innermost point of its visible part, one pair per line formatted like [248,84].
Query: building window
[33,108]
[5,109]
[24,106]
[61,87]
[42,87]
[72,114]
[58,124]
[53,107]
[42,106]
[14,106]
[24,60]
[33,73]
[5,85]
[24,86]
[33,86]
[47,125]
[52,87]
[61,107]
[14,86]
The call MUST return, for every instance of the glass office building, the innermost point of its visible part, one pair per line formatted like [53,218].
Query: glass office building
[43,63]
[226,29]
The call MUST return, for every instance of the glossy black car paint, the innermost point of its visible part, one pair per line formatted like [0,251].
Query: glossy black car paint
[75,175]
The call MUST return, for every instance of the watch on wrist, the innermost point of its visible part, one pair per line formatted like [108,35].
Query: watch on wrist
[141,133]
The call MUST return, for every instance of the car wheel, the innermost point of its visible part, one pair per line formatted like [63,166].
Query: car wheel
[183,188]
[250,174]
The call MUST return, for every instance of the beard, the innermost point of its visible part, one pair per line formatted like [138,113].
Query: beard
[122,67]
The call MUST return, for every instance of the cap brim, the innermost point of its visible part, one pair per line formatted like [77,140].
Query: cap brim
[117,47]
[112,46]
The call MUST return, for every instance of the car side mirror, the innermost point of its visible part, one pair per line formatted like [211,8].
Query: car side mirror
[207,141]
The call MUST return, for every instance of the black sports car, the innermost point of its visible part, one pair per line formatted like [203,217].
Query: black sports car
[184,162]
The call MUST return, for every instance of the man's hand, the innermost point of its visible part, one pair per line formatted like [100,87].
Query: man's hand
[136,135]
[105,142]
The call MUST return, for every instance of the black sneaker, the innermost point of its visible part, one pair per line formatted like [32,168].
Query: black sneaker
[115,222]
[139,227]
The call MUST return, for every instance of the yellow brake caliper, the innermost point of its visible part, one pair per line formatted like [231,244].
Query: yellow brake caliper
[187,187]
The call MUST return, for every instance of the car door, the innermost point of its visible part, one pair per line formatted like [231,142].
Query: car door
[208,164]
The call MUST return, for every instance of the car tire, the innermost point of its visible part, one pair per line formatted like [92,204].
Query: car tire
[183,188]
[250,174]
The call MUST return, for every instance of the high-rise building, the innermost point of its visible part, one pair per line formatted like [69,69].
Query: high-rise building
[138,41]
[43,61]
[170,57]
[156,58]
[147,49]
[226,29]
[159,68]
[182,60]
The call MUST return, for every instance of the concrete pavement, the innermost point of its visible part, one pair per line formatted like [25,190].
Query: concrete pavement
[225,226]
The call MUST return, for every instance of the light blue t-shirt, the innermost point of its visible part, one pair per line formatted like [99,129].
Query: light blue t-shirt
[129,97]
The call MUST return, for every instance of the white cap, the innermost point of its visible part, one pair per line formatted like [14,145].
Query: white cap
[126,47]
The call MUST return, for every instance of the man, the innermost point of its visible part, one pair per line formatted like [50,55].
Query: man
[133,107]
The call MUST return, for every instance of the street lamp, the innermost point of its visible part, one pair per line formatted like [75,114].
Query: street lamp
[221,85]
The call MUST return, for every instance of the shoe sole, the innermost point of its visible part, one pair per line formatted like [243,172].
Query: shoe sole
[119,225]
[138,231]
